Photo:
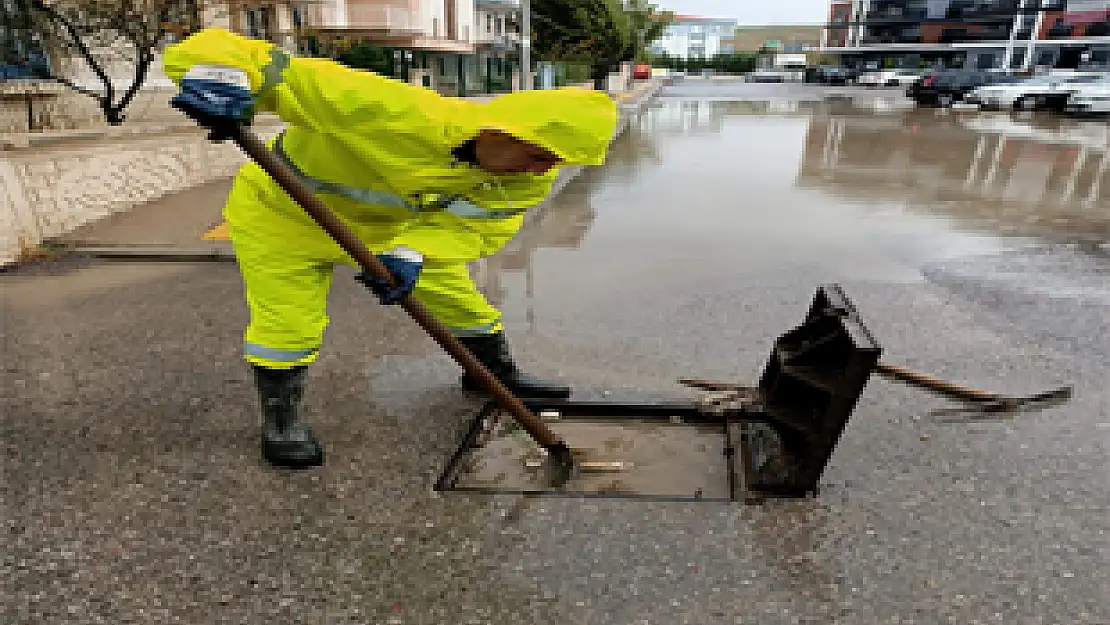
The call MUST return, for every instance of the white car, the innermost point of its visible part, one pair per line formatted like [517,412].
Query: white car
[1091,99]
[889,78]
[1030,94]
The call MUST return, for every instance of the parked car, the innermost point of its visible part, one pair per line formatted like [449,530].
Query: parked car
[829,75]
[889,78]
[1090,99]
[641,71]
[1036,93]
[773,75]
[946,87]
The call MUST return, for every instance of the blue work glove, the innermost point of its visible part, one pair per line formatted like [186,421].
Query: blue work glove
[405,265]
[216,97]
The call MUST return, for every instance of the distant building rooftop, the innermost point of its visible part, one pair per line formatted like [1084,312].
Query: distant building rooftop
[791,38]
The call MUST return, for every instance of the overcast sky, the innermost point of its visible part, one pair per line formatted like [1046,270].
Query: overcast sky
[753,12]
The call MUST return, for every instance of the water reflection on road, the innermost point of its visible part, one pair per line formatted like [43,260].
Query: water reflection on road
[745,187]
[1016,177]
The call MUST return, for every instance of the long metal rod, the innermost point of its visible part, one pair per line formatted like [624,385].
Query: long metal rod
[934,384]
[920,380]
[287,180]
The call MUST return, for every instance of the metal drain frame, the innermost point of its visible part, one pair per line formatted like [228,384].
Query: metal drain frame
[596,412]
[778,442]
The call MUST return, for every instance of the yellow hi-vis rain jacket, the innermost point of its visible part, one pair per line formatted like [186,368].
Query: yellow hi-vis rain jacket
[378,150]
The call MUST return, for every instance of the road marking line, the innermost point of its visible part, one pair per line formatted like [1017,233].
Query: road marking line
[217,233]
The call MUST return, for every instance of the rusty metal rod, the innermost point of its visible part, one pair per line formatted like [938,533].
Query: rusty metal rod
[936,385]
[921,380]
[288,180]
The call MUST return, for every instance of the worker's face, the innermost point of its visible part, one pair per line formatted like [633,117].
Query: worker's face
[501,153]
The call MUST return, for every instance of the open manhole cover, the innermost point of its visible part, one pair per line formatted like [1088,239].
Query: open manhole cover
[774,440]
[652,451]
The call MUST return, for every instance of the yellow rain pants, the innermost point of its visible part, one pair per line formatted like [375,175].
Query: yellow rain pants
[377,151]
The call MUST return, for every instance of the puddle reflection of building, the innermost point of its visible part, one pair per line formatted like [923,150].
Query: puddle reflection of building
[689,116]
[1023,177]
[563,224]
[564,221]
[683,116]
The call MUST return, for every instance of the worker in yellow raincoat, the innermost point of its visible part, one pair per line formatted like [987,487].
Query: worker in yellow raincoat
[428,182]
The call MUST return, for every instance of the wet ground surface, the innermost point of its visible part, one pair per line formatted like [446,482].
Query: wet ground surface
[133,491]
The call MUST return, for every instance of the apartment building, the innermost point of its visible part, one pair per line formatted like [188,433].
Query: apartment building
[457,47]
[689,36]
[981,34]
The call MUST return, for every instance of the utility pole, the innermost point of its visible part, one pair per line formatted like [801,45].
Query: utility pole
[526,44]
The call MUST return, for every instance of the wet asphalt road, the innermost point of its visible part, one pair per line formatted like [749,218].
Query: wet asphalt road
[975,247]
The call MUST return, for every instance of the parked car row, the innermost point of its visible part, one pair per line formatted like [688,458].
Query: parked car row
[1072,92]
[890,78]
[833,75]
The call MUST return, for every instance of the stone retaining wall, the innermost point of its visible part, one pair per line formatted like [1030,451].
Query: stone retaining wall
[52,186]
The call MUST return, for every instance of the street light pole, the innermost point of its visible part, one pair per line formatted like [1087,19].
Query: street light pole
[526,44]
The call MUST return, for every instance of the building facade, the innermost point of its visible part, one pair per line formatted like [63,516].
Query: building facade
[980,34]
[788,39]
[689,37]
[457,47]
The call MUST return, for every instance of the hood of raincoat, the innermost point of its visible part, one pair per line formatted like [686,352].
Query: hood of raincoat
[575,124]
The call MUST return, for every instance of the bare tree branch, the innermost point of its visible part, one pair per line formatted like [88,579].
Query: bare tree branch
[99,32]
[77,41]
[142,66]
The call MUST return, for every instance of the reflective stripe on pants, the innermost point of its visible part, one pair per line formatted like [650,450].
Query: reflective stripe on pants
[287,301]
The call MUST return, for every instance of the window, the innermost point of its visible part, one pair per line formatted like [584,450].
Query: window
[1046,57]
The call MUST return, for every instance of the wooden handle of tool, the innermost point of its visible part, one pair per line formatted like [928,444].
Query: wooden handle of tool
[287,180]
[934,384]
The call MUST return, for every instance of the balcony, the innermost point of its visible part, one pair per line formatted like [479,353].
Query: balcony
[896,15]
[383,17]
[363,16]
[893,35]
[904,5]
[879,40]
[498,5]
[980,11]
[503,42]
[387,24]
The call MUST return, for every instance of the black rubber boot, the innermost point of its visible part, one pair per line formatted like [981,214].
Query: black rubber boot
[493,352]
[286,442]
